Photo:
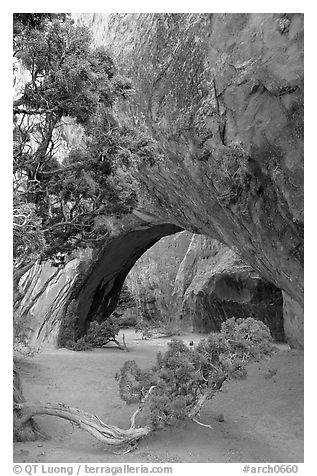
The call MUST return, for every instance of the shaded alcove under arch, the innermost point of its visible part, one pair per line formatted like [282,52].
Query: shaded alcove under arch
[98,295]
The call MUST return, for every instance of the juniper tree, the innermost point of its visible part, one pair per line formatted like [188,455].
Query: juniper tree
[56,198]
[64,193]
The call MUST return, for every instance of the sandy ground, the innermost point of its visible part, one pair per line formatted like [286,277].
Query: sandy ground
[263,417]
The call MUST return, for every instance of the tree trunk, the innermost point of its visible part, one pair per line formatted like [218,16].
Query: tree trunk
[110,435]
[28,431]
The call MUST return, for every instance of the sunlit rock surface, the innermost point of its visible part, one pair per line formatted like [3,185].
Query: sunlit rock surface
[213,284]
[45,290]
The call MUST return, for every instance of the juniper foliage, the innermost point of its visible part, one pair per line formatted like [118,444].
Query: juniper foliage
[73,163]
[184,375]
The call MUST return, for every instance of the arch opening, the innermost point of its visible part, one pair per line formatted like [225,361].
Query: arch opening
[211,284]
[98,296]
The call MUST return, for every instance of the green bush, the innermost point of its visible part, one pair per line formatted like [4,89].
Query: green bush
[185,376]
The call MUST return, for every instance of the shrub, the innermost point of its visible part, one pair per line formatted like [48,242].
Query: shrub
[24,349]
[184,377]
[99,335]
[149,329]
[79,346]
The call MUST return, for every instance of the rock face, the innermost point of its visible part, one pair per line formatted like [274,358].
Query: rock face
[45,291]
[223,96]
[214,284]
[293,322]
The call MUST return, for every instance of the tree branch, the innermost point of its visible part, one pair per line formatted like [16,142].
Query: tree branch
[209,393]
[202,424]
[107,434]
[133,417]
[58,171]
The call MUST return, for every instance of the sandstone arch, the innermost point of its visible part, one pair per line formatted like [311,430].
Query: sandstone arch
[222,94]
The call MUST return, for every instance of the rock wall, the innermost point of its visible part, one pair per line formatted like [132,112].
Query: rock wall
[45,291]
[214,284]
[293,322]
